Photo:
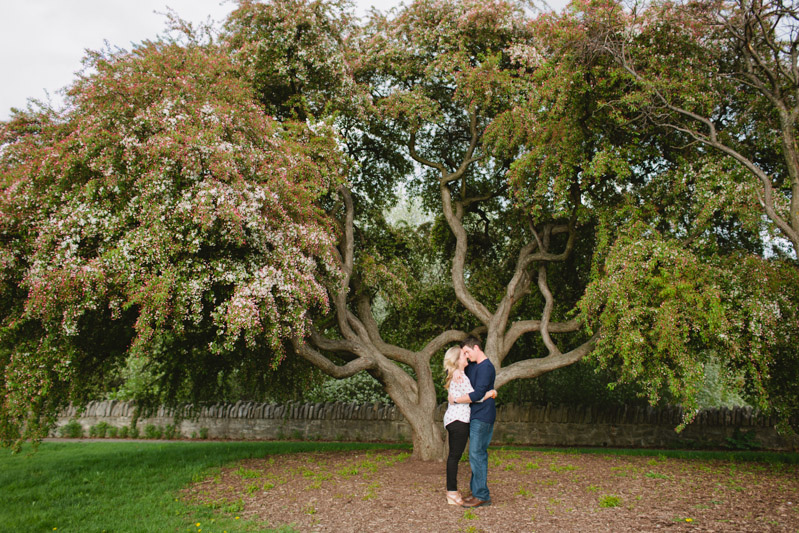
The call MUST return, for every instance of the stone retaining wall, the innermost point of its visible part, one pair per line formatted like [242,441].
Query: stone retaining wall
[646,427]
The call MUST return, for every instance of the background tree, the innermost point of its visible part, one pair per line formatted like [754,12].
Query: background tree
[706,155]
[723,74]
[162,216]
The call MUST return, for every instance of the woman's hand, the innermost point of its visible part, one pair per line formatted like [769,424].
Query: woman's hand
[490,394]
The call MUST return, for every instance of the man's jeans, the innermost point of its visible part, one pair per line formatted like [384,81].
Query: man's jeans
[480,434]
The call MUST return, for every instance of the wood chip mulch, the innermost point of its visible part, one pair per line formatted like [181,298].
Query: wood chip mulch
[531,491]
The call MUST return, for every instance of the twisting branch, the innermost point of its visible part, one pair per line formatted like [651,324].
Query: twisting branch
[530,368]
[549,304]
[361,337]
[446,338]
[454,216]
[454,219]
[520,285]
[389,350]
[346,253]
[499,341]
[326,365]
[522,327]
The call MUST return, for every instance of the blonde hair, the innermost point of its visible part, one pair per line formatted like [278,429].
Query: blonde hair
[451,363]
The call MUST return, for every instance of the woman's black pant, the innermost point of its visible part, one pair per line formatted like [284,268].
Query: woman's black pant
[458,435]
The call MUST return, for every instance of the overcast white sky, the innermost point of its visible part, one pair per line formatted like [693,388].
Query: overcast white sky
[42,42]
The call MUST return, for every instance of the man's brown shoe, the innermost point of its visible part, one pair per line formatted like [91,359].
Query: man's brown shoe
[471,501]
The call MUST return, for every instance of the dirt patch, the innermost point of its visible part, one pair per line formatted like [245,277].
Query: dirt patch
[531,491]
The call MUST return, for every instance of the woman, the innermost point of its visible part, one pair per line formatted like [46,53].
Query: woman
[456,418]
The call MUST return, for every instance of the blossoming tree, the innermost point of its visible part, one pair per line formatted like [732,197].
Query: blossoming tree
[161,214]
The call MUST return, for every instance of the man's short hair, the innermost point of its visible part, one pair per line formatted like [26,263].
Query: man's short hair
[471,341]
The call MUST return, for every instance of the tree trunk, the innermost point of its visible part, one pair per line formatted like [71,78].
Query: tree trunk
[428,436]
[419,410]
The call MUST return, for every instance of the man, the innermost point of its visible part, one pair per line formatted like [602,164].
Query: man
[481,373]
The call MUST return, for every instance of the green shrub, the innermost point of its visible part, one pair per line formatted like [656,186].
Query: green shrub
[71,430]
[123,432]
[99,430]
[203,433]
[113,431]
[153,432]
[170,432]
[133,433]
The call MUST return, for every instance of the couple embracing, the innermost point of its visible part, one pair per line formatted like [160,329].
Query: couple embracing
[469,416]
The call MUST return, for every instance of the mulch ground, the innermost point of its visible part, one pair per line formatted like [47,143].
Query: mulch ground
[531,491]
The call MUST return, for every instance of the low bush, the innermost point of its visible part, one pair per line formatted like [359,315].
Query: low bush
[170,432]
[99,430]
[153,432]
[71,430]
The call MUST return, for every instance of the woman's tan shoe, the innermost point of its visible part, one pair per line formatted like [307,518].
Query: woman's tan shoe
[454,498]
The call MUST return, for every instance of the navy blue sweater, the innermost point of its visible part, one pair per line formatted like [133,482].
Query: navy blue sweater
[482,376]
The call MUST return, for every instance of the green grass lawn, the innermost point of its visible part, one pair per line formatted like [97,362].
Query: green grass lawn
[125,486]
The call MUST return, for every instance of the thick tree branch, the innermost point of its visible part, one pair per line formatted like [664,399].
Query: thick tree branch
[549,304]
[348,237]
[519,285]
[459,258]
[440,341]
[530,368]
[519,328]
[326,365]
[454,216]
[366,357]
[346,253]
[395,353]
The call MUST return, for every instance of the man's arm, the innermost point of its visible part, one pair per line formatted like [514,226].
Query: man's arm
[466,399]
